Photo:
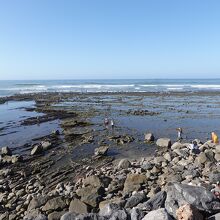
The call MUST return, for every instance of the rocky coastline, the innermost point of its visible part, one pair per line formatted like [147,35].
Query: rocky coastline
[173,184]
[74,172]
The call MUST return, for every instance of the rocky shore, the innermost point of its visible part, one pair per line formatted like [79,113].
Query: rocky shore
[82,170]
[173,184]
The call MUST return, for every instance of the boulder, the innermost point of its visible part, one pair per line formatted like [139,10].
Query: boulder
[46,145]
[41,217]
[135,200]
[124,164]
[133,182]
[177,145]
[149,137]
[217,149]
[201,158]
[55,215]
[167,156]
[147,166]
[6,151]
[217,157]
[136,214]
[37,149]
[210,155]
[188,212]
[199,197]
[90,195]
[159,160]
[119,215]
[214,177]
[69,216]
[214,217]
[163,142]
[159,214]
[37,202]
[156,202]
[117,200]
[101,151]
[55,204]
[16,158]
[93,181]
[108,210]
[78,207]
[182,152]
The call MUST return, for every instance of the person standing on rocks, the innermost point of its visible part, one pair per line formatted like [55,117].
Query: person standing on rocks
[112,124]
[214,138]
[179,133]
[106,122]
[194,148]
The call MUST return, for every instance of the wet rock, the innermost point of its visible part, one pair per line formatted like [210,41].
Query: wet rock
[199,197]
[163,142]
[37,149]
[6,151]
[159,214]
[55,204]
[124,164]
[135,200]
[149,137]
[133,182]
[188,212]
[101,151]
[78,207]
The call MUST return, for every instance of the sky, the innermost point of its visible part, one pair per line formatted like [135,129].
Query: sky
[109,39]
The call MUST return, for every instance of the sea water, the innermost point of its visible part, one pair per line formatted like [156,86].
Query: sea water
[8,88]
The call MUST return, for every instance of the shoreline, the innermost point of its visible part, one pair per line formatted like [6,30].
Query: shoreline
[57,162]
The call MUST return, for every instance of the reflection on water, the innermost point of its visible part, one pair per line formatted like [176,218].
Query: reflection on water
[12,133]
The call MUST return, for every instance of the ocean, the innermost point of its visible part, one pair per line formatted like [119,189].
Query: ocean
[8,88]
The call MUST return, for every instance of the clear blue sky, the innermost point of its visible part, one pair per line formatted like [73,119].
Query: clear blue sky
[79,39]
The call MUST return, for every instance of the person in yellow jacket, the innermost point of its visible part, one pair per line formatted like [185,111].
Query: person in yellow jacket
[214,138]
